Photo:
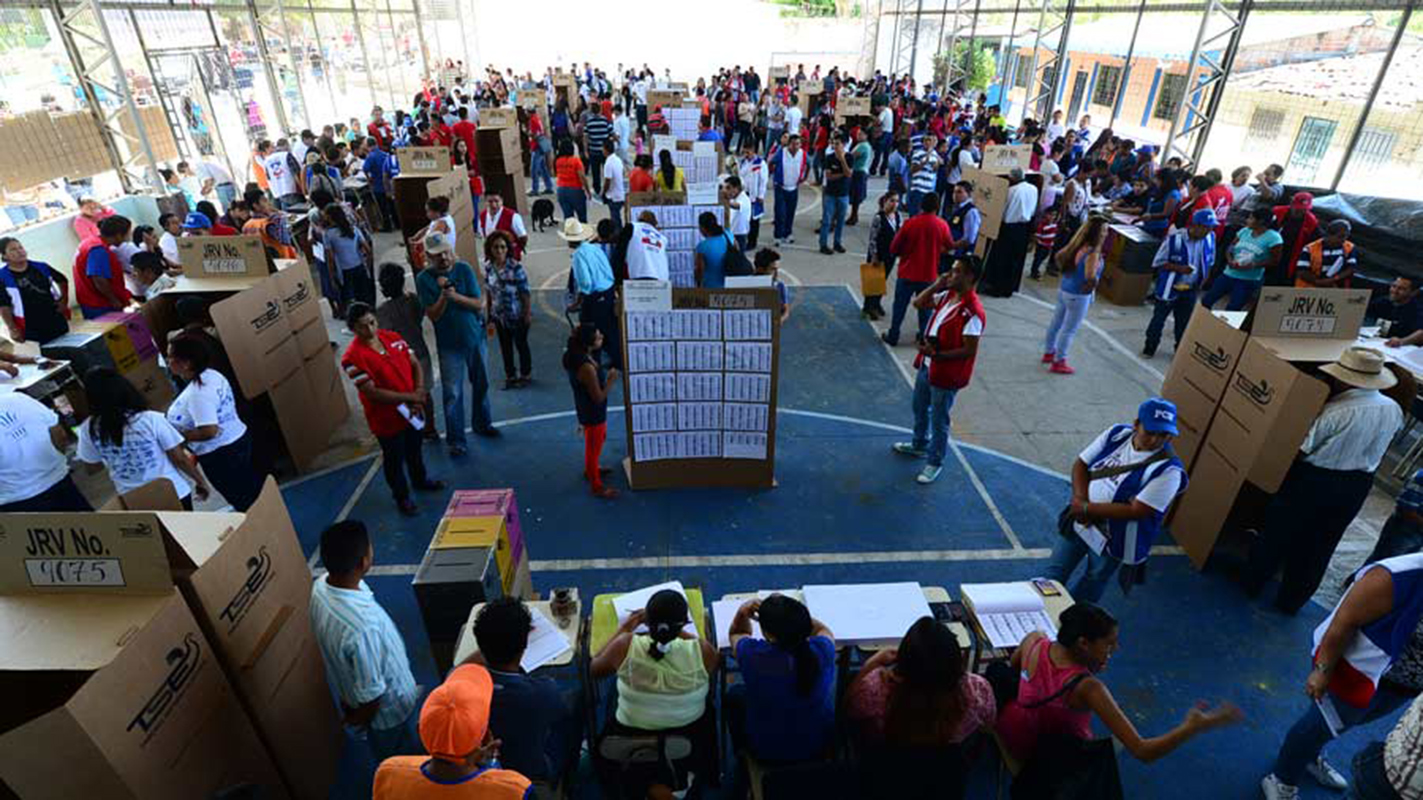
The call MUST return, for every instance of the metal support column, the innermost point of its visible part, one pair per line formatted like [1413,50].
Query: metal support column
[99,68]
[1192,122]
[1005,58]
[365,53]
[1126,68]
[954,35]
[869,38]
[266,58]
[906,40]
[464,40]
[1054,19]
[325,62]
[1354,137]
[420,34]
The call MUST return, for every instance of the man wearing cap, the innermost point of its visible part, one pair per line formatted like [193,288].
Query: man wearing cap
[1329,480]
[197,224]
[592,278]
[1297,225]
[1183,257]
[1330,262]
[454,727]
[457,306]
[1123,484]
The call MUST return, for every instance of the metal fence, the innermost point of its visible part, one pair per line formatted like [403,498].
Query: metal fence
[1326,88]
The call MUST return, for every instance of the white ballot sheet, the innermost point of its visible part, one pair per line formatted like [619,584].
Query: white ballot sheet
[867,612]
[753,324]
[698,416]
[748,388]
[695,324]
[656,387]
[748,357]
[546,642]
[744,445]
[699,356]
[699,386]
[745,417]
[699,444]
[654,446]
[652,357]
[636,600]
[654,417]
[644,325]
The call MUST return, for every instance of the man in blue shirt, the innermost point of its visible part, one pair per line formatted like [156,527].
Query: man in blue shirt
[457,306]
[592,277]
[539,727]
[380,169]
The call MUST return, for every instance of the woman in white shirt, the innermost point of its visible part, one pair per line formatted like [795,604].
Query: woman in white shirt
[137,445]
[205,413]
[34,474]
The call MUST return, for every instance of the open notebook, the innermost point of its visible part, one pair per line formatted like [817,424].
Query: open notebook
[637,599]
[1007,612]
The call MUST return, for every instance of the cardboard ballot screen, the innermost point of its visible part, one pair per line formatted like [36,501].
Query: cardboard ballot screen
[990,196]
[847,107]
[423,160]
[1000,158]
[1266,411]
[97,553]
[1308,324]
[216,263]
[498,118]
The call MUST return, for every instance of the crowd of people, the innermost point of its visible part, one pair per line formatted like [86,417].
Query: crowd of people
[504,733]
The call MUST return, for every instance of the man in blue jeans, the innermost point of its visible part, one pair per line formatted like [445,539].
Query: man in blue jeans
[945,361]
[1122,486]
[788,170]
[450,292]
[835,196]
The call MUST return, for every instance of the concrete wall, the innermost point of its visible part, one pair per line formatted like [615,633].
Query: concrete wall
[55,243]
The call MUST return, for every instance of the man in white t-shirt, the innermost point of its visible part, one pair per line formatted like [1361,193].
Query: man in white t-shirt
[614,183]
[1055,129]
[793,117]
[739,203]
[284,177]
[647,250]
[34,475]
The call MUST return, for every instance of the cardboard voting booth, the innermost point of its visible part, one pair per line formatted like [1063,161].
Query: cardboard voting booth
[411,193]
[220,263]
[499,118]
[847,108]
[700,385]
[111,688]
[1247,398]
[1000,158]
[423,160]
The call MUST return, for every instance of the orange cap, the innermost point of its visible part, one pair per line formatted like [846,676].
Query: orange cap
[455,716]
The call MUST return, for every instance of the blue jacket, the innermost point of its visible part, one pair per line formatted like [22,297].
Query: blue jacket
[1129,541]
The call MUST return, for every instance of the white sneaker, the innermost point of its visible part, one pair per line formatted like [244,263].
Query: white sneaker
[1273,789]
[1326,775]
[929,474]
[790,240]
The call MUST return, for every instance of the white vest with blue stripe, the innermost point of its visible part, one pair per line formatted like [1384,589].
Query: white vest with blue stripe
[1130,540]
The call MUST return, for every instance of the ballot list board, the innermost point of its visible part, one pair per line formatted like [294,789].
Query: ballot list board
[700,389]
[677,219]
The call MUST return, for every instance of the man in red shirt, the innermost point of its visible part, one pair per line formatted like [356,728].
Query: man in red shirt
[918,244]
[392,387]
[945,361]
[98,275]
[379,129]
[1221,198]
[464,129]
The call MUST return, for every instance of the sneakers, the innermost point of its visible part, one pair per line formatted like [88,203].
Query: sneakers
[825,251]
[1273,789]
[1148,352]
[839,248]
[1059,367]
[1048,358]
[929,474]
[789,240]
[908,449]
[1326,775]
[892,342]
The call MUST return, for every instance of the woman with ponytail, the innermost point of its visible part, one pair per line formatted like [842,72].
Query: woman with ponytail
[919,694]
[785,709]
[663,680]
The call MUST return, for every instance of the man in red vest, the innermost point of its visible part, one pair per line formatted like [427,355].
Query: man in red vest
[945,360]
[497,217]
[98,275]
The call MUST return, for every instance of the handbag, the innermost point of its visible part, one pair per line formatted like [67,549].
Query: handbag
[1069,768]
[736,263]
[872,280]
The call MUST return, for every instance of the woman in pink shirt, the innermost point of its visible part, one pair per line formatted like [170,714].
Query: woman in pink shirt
[86,224]
[1059,693]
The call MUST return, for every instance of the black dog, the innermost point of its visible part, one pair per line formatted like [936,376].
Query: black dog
[543,214]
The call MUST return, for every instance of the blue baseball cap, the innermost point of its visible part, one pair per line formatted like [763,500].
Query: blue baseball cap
[1204,217]
[195,220]
[1157,415]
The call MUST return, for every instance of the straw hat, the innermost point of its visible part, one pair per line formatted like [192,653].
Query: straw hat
[1362,367]
[575,231]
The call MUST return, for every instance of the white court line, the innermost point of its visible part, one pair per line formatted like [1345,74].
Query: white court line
[1091,326]
[973,478]
[743,560]
[300,479]
[350,504]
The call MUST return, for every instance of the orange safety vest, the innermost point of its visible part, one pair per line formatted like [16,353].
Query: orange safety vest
[1315,249]
[258,225]
[401,778]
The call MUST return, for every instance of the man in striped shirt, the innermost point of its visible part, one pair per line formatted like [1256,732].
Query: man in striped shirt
[596,130]
[923,173]
[366,664]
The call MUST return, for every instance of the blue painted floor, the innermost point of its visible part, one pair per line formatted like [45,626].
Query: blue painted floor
[1185,636]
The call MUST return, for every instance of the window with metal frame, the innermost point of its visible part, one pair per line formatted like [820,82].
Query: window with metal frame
[1108,83]
[1374,150]
[1169,96]
[1023,70]
[1265,126]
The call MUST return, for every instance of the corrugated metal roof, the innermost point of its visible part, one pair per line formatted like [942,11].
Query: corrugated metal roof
[1345,79]
[1170,36]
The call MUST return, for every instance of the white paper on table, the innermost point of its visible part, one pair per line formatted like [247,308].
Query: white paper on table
[748,357]
[1007,612]
[699,386]
[546,642]
[748,388]
[723,612]
[1091,536]
[867,612]
[636,600]
[744,445]
[647,417]
[753,324]
[745,417]
[656,387]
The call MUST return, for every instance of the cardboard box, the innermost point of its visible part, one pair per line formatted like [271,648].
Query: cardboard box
[248,583]
[1123,288]
[221,263]
[1308,324]
[1267,409]
[497,151]
[424,160]
[1207,355]
[1001,158]
[664,98]
[847,107]
[118,694]
[990,197]
[1201,512]
[499,118]
[810,87]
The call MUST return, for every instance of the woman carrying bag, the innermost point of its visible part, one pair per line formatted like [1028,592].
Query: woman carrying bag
[879,260]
